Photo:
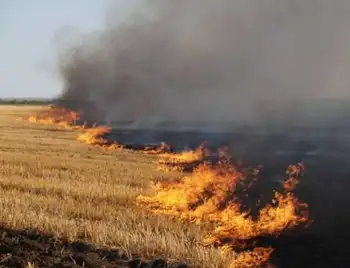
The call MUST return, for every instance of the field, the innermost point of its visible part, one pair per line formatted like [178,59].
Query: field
[65,203]
[54,184]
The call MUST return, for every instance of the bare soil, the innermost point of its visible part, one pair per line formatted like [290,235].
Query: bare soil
[19,248]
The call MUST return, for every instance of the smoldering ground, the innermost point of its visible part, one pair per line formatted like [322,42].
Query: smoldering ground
[203,60]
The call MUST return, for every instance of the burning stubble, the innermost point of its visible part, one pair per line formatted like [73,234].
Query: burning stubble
[202,60]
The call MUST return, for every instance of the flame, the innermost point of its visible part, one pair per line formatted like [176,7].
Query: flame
[178,161]
[210,195]
[251,259]
[94,136]
[161,149]
[207,183]
[64,118]
[285,211]
[293,174]
[67,119]
[58,116]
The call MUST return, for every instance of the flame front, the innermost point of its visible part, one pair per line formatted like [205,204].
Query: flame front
[64,118]
[209,195]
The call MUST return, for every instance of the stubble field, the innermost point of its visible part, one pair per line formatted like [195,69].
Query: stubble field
[52,183]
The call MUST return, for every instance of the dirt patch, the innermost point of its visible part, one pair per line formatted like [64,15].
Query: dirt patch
[18,248]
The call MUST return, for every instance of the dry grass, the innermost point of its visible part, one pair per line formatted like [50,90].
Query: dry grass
[51,182]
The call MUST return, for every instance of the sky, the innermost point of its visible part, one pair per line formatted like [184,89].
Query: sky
[31,32]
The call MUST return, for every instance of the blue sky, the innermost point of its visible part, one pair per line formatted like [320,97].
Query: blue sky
[29,30]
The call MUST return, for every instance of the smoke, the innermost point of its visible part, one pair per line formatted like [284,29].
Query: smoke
[204,60]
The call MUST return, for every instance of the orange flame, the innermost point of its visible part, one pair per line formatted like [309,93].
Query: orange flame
[210,195]
[161,149]
[178,161]
[64,118]
[59,116]
[94,136]
[251,259]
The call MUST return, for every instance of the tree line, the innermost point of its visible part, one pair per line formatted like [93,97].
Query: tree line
[16,101]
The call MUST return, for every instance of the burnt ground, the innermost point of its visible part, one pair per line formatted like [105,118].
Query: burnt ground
[325,185]
[19,247]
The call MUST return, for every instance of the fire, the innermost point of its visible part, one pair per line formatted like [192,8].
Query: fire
[94,136]
[161,149]
[59,116]
[44,121]
[178,161]
[67,119]
[252,258]
[64,118]
[284,212]
[206,183]
[210,195]
[293,174]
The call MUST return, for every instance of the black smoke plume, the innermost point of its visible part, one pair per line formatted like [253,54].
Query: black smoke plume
[215,61]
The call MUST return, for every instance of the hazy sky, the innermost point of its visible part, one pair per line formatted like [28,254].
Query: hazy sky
[28,50]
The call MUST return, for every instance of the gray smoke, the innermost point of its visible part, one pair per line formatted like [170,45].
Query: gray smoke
[223,60]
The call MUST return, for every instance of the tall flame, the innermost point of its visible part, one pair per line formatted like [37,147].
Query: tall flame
[210,194]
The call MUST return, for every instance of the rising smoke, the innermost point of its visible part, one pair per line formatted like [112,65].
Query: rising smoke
[205,60]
